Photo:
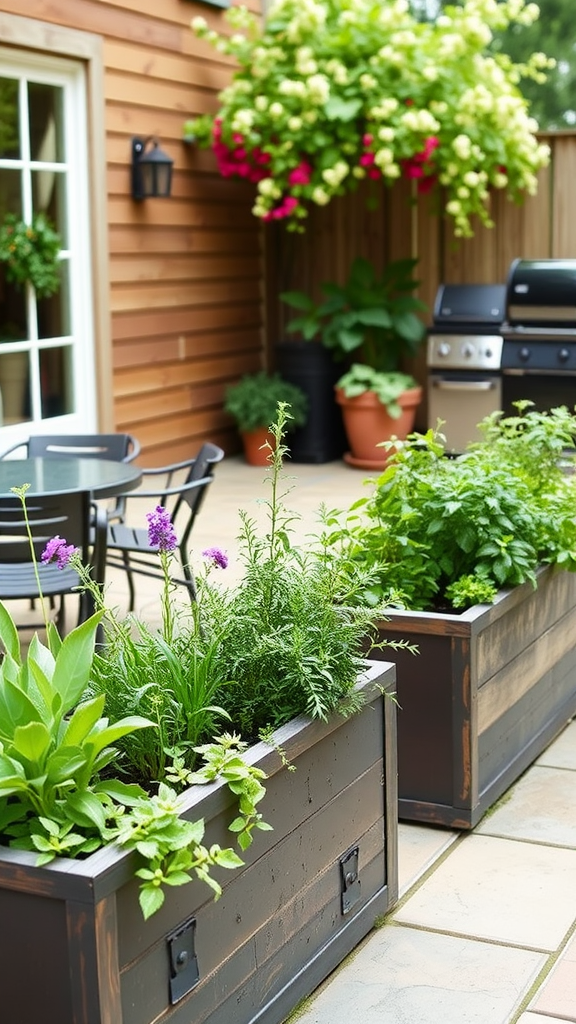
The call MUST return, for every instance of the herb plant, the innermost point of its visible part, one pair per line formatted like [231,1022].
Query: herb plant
[443,532]
[254,399]
[30,253]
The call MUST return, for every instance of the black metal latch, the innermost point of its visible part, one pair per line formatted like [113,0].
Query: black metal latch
[184,973]
[350,879]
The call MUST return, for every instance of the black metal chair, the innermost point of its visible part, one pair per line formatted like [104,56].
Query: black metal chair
[116,447]
[128,548]
[71,516]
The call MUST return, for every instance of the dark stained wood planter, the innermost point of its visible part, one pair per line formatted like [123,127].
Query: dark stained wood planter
[75,949]
[488,692]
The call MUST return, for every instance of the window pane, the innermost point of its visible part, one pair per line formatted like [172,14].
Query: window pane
[9,120]
[54,311]
[13,323]
[56,382]
[10,192]
[14,387]
[48,196]
[45,110]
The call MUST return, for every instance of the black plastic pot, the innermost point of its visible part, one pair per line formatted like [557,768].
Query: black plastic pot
[309,365]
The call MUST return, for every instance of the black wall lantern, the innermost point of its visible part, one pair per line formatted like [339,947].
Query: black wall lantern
[151,169]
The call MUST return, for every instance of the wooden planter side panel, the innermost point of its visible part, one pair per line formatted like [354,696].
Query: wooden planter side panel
[279,928]
[522,706]
[483,698]
[269,925]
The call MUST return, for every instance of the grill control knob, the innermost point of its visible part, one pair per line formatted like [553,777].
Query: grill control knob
[563,355]
[444,349]
[468,350]
[524,354]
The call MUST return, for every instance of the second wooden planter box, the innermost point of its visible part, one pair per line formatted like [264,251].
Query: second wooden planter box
[487,693]
[75,948]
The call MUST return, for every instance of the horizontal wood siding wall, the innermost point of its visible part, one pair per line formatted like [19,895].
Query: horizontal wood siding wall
[185,272]
[386,224]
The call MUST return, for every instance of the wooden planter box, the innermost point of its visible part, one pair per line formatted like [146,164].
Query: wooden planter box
[488,692]
[74,944]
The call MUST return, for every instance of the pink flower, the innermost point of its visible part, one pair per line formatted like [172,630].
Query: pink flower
[367,140]
[284,209]
[301,174]
[366,160]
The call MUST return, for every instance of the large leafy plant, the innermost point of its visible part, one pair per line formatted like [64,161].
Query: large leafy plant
[444,532]
[372,316]
[330,92]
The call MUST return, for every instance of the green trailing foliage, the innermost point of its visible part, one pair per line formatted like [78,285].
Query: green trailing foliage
[31,252]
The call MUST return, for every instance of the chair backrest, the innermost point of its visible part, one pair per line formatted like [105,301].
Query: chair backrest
[198,477]
[116,447]
[49,515]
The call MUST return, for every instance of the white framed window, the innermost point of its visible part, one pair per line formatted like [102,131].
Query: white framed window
[47,380]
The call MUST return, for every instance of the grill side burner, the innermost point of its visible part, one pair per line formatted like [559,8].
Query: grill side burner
[464,358]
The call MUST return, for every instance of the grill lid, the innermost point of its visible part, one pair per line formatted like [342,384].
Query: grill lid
[467,305]
[542,292]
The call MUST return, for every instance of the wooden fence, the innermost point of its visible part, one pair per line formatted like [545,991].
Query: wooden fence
[401,225]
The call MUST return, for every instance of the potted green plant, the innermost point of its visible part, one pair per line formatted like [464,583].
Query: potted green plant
[31,252]
[372,319]
[253,402]
[277,655]
[470,555]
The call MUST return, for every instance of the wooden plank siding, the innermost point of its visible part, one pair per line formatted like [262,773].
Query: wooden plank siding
[405,224]
[185,296]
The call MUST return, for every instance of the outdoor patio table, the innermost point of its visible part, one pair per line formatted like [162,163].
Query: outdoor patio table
[102,477]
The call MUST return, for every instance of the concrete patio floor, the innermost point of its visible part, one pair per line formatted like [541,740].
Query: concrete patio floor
[485,928]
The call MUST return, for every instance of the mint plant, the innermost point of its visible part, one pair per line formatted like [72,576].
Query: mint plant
[441,532]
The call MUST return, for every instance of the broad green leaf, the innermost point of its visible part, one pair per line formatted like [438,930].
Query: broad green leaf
[122,792]
[83,720]
[98,740]
[74,661]
[85,809]
[9,634]
[32,741]
[228,859]
[151,899]
[16,709]
[63,764]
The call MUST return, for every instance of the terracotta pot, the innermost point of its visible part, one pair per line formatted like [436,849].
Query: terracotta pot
[367,423]
[253,440]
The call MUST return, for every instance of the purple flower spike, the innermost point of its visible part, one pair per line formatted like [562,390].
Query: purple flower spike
[57,550]
[161,533]
[217,557]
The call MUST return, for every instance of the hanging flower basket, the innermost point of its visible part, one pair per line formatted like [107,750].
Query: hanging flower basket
[329,92]
[31,253]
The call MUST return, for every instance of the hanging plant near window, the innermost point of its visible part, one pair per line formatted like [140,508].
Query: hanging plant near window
[31,252]
[329,92]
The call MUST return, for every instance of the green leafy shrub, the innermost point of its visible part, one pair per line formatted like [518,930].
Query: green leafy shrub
[253,401]
[30,253]
[441,531]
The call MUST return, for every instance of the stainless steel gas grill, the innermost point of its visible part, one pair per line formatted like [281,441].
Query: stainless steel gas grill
[464,359]
[539,334]
[492,345]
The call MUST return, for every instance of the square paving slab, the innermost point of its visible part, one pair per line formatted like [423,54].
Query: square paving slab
[498,889]
[406,976]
